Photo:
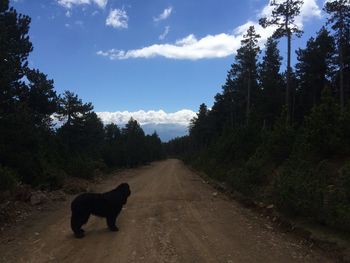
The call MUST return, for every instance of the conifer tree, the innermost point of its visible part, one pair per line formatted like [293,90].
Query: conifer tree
[314,69]
[283,16]
[72,108]
[112,133]
[17,135]
[134,143]
[222,113]
[271,82]
[40,97]
[15,47]
[244,73]
[75,113]
[199,129]
[339,19]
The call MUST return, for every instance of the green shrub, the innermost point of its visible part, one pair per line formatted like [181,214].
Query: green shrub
[293,187]
[52,178]
[251,175]
[84,167]
[337,205]
[80,166]
[280,141]
[322,130]
[8,179]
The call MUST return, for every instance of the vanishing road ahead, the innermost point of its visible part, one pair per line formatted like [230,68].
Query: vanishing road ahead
[172,215]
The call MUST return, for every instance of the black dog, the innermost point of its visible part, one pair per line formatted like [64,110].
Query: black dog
[106,205]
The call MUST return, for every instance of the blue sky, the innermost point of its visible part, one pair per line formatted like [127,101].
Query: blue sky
[132,55]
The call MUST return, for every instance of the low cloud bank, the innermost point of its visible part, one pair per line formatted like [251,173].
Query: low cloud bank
[167,125]
[181,117]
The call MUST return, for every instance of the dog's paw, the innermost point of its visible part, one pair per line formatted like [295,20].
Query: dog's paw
[79,234]
[114,228]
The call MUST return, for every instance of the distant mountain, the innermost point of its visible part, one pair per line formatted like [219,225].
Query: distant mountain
[166,131]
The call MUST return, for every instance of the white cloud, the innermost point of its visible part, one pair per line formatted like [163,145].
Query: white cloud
[101,3]
[216,46]
[210,46]
[181,117]
[165,33]
[117,18]
[68,13]
[309,10]
[166,13]
[189,40]
[71,3]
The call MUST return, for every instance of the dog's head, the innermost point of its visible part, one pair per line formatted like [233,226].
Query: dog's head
[124,189]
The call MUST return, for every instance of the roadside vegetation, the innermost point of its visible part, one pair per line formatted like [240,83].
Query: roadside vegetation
[277,136]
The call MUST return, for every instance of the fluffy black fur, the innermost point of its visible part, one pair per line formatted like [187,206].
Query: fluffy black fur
[107,205]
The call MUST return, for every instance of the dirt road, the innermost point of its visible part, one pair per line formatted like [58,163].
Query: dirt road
[171,216]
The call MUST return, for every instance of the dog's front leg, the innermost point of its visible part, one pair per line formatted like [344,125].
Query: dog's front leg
[111,222]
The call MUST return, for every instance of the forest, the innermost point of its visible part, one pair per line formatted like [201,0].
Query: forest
[46,137]
[281,135]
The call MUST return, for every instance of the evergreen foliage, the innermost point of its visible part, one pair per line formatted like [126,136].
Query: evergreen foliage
[293,153]
[283,17]
[271,83]
[34,149]
[315,69]
[339,19]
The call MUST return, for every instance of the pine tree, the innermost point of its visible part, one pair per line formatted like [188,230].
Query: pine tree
[112,133]
[339,18]
[15,47]
[314,69]
[154,147]
[40,97]
[75,113]
[244,73]
[72,108]
[271,82]
[222,113]
[199,129]
[283,16]
[134,143]
[18,137]
[89,134]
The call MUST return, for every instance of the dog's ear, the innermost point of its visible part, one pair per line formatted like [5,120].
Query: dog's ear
[119,187]
[126,192]
[124,188]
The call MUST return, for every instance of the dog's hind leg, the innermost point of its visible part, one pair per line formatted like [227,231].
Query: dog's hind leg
[77,220]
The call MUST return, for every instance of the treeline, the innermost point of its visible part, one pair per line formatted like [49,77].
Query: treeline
[283,137]
[45,137]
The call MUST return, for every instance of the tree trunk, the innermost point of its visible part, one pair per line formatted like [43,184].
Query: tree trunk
[341,77]
[231,113]
[289,39]
[289,44]
[248,97]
